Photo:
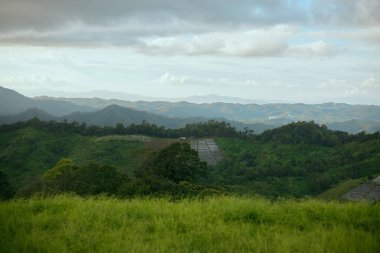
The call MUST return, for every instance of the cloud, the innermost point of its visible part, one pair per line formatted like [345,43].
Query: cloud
[44,14]
[244,28]
[333,83]
[34,81]
[370,84]
[186,80]
[123,22]
[369,35]
[171,79]
[317,48]
[255,42]
[273,41]
[346,13]
[368,88]
[49,15]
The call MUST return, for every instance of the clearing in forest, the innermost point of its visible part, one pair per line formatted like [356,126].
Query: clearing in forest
[208,150]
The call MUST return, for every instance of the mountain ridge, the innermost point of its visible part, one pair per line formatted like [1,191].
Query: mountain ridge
[339,116]
[12,102]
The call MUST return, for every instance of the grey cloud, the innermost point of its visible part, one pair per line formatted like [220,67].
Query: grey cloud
[47,14]
[251,43]
[43,15]
[272,41]
[121,22]
[317,48]
[157,26]
[346,12]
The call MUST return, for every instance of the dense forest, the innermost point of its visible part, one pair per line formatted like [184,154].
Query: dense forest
[209,128]
[298,159]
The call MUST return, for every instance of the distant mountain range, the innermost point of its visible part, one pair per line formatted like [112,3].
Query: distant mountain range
[114,114]
[106,94]
[351,118]
[12,102]
[277,113]
[15,107]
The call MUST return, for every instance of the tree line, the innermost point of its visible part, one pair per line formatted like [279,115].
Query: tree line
[293,133]
[175,170]
[202,129]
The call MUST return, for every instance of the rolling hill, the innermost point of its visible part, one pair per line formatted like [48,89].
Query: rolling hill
[350,118]
[114,114]
[12,102]
[327,112]
[25,154]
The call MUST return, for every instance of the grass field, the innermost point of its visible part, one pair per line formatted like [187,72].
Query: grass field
[223,224]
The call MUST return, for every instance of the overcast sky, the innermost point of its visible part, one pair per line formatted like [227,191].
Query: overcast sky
[308,51]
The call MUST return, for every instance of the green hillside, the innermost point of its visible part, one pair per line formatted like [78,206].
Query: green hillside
[28,152]
[223,224]
[296,160]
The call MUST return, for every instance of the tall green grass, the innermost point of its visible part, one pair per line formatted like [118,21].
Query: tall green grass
[222,224]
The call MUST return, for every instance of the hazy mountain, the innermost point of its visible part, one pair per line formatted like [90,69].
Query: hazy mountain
[27,115]
[108,116]
[12,102]
[213,98]
[268,113]
[105,94]
[355,126]
[114,114]
[350,118]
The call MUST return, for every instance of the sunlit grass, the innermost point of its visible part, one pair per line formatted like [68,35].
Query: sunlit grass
[222,224]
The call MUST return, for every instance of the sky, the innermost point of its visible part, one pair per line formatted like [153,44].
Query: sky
[308,51]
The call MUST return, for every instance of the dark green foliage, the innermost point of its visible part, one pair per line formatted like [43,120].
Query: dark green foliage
[91,179]
[5,187]
[305,133]
[176,170]
[178,162]
[94,179]
[26,153]
[205,129]
[62,177]
[296,160]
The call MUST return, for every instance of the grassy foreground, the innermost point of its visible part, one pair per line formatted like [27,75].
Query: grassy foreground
[222,224]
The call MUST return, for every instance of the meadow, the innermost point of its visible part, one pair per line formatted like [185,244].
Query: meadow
[67,223]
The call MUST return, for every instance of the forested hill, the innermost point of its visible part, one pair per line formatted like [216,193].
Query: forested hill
[298,159]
